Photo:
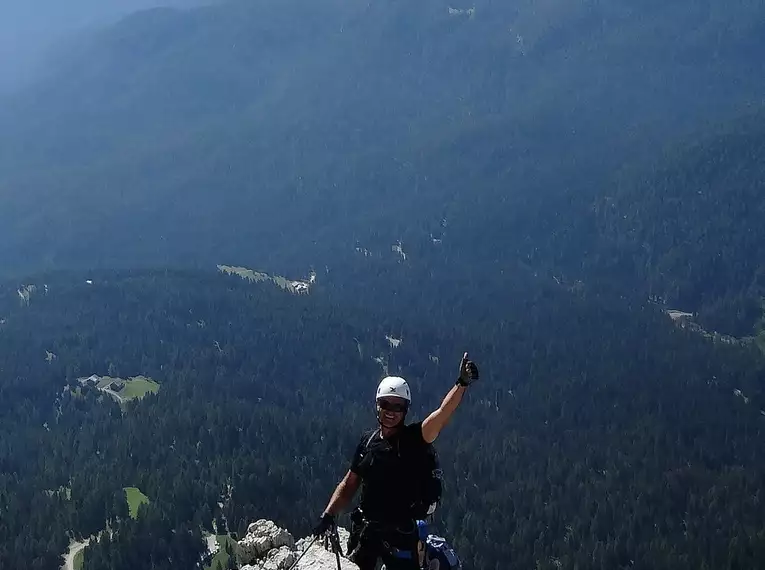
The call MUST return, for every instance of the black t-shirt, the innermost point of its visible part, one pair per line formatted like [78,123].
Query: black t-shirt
[388,472]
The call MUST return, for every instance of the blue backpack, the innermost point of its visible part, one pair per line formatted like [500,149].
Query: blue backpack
[439,555]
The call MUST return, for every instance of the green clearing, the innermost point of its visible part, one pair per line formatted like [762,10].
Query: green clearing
[104,381]
[138,387]
[135,498]
[79,560]
[131,389]
[258,277]
[244,273]
[221,556]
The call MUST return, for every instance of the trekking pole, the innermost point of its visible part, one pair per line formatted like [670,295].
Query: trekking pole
[339,566]
[335,541]
[310,544]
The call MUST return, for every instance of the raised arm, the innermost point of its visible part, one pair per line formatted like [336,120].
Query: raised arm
[436,421]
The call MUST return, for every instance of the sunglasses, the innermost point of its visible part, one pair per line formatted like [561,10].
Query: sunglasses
[392,406]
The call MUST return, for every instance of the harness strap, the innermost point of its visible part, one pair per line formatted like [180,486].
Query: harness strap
[371,437]
[397,552]
[403,527]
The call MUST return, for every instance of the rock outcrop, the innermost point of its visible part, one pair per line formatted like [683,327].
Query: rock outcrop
[262,537]
[269,547]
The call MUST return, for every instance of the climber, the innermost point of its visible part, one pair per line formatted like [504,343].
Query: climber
[387,468]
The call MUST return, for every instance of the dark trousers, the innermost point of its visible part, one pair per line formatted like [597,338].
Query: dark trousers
[394,543]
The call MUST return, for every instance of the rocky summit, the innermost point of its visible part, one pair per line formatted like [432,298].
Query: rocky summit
[266,546]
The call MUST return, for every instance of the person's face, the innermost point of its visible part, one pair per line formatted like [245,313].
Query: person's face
[391,410]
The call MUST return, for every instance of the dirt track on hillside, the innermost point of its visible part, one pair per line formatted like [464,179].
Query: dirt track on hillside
[74,548]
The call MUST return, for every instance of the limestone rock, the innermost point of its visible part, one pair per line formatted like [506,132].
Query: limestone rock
[262,537]
[281,558]
[268,547]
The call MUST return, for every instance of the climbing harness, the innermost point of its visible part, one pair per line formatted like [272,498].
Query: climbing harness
[388,535]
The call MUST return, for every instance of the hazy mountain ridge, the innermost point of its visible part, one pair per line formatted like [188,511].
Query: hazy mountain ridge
[387,115]
[169,159]
[248,130]
[31,32]
[393,54]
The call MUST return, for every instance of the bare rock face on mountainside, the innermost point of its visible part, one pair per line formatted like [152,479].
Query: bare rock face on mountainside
[269,547]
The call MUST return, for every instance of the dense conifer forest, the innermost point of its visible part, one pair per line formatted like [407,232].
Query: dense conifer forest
[599,437]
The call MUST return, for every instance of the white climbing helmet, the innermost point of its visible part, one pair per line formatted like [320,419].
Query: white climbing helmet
[394,386]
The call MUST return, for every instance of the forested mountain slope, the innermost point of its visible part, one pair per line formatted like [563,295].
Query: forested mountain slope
[448,173]
[689,230]
[250,128]
[599,436]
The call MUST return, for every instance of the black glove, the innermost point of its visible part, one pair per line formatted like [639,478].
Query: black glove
[326,522]
[468,372]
